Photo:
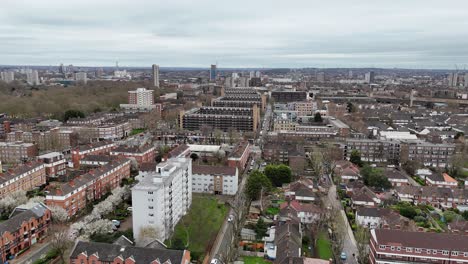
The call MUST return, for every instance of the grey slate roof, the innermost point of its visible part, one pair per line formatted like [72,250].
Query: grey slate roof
[108,252]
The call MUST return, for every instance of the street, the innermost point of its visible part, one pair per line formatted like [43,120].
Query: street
[349,246]
[32,256]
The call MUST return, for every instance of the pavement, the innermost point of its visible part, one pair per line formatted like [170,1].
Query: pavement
[350,246]
[34,253]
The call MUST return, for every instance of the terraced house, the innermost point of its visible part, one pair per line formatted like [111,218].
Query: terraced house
[25,177]
[25,227]
[396,246]
[73,195]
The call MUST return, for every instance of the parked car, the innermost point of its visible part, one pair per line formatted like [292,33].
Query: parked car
[343,256]
[130,209]
[116,223]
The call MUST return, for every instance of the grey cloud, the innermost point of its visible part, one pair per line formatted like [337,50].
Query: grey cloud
[296,33]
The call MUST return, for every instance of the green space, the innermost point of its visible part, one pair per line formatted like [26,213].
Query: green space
[137,131]
[323,246]
[197,230]
[111,237]
[255,260]
[419,180]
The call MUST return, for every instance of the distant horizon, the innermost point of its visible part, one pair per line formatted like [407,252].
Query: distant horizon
[236,68]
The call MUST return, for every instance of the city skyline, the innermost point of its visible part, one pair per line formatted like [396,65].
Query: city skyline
[420,34]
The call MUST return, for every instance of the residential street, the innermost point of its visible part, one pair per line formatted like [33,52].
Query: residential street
[349,246]
[34,254]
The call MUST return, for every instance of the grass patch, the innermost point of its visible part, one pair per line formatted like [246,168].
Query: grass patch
[137,131]
[198,229]
[255,260]
[323,246]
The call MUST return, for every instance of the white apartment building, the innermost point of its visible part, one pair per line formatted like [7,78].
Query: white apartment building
[215,179]
[162,197]
[81,77]
[32,77]
[7,76]
[139,100]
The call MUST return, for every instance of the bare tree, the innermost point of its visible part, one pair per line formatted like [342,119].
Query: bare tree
[60,241]
[233,135]
[206,131]
[239,207]
[338,234]
[362,236]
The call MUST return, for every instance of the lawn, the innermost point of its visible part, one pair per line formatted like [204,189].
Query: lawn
[255,260]
[137,131]
[323,246]
[200,226]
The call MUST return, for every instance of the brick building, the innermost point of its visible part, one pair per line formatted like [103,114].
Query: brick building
[25,177]
[288,96]
[24,228]
[102,253]
[73,195]
[54,162]
[102,147]
[142,154]
[223,118]
[17,152]
[397,246]
[239,156]
[46,140]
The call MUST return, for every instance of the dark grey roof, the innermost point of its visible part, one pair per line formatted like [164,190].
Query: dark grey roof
[123,241]
[20,215]
[108,252]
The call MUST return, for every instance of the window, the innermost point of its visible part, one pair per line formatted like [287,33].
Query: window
[409,250]
[445,252]
[418,250]
[398,249]
[150,192]
[382,247]
[150,207]
[392,248]
[434,251]
[454,253]
[428,251]
[150,214]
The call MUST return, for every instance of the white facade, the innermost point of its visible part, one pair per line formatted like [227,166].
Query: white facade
[156,75]
[32,77]
[81,77]
[8,76]
[162,197]
[215,182]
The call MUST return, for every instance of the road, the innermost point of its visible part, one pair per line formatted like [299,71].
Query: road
[265,126]
[349,246]
[225,238]
[32,256]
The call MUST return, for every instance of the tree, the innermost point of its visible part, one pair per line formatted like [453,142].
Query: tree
[355,158]
[375,177]
[410,167]
[350,107]
[257,182]
[194,156]
[60,241]
[101,226]
[338,229]
[362,236]
[10,202]
[278,174]
[261,228]
[318,118]
[72,114]
[59,215]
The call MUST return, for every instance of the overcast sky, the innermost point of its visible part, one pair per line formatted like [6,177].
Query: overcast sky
[253,33]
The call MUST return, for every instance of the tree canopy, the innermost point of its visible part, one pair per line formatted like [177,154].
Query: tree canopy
[72,114]
[278,174]
[318,118]
[257,180]
[375,177]
[356,158]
